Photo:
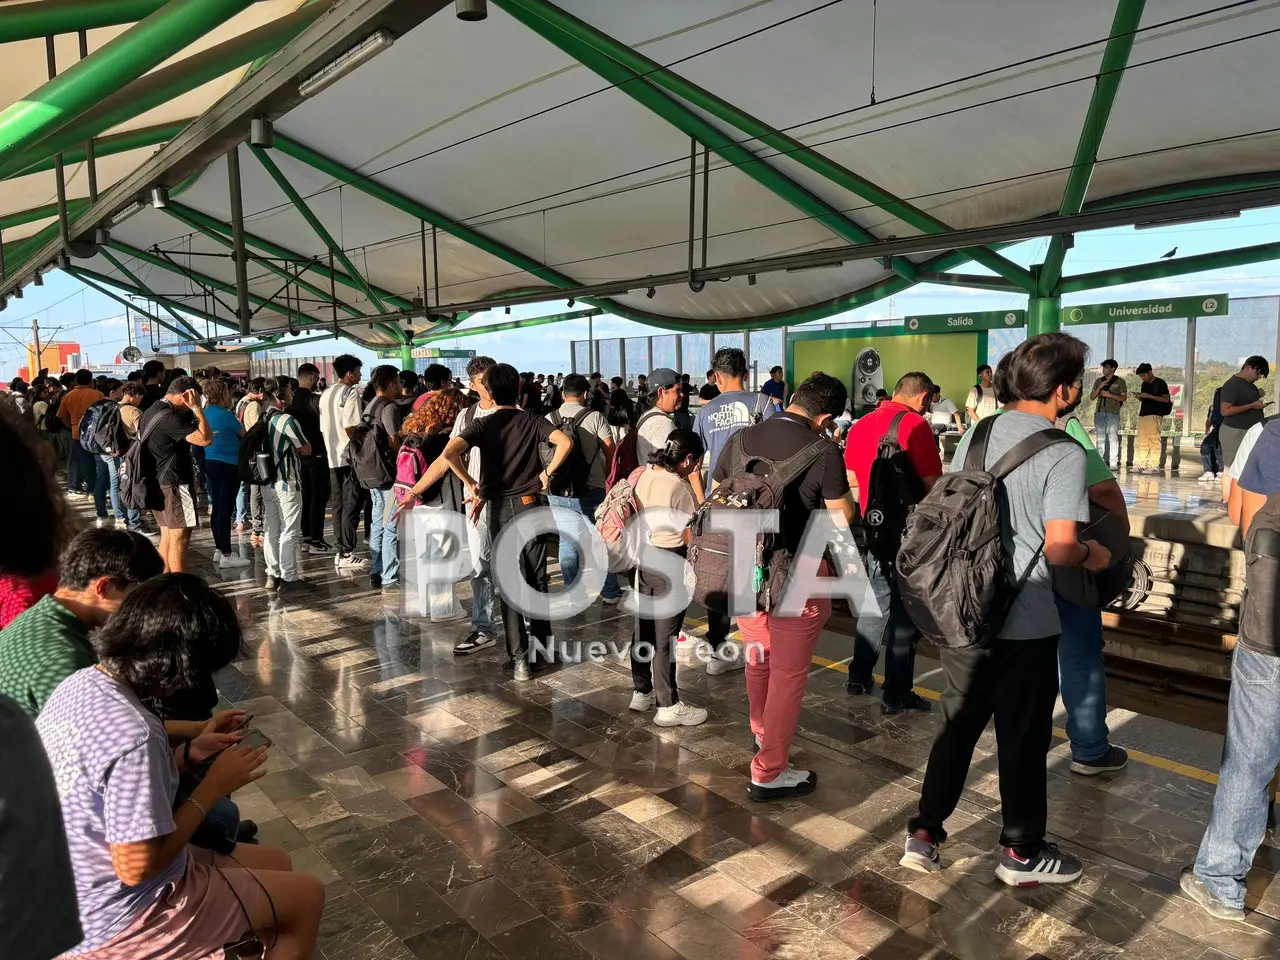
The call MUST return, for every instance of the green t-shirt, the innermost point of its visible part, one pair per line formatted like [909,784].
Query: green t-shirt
[1095,468]
[39,649]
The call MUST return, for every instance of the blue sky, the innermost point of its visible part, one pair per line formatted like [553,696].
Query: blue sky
[77,313]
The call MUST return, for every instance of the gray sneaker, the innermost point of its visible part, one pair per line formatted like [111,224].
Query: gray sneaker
[521,671]
[921,855]
[1113,761]
[1203,897]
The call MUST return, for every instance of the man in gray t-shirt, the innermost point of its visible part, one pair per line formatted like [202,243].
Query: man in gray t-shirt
[1049,486]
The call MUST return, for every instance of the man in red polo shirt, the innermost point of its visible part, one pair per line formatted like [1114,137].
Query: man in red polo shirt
[911,398]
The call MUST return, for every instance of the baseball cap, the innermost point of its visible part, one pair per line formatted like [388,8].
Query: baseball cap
[663,377]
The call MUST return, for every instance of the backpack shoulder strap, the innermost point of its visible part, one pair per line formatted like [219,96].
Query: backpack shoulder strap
[976,456]
[555,418]
[577,421]
[894,425]
[799,462]
[1026,448]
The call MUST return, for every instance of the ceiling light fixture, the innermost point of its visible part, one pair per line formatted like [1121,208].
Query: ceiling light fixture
[135,208]
[816,266]
[571,302]
[471,10]
[651,293]
[332,72]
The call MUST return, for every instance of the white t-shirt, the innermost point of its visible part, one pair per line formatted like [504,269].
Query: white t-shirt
[984,407]
[660,488]
[464,418]
[943,413]
[340,408]
[655,427]
[1247,443]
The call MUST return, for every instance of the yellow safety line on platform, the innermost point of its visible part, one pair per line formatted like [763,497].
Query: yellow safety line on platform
[1135,756]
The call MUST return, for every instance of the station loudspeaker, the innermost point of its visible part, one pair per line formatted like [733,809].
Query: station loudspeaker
[471,10]
[868,377]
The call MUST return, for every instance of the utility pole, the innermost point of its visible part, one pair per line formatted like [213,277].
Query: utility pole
[35,341]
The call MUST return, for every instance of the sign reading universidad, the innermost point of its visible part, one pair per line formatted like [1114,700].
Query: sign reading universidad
[1213,305]
[965,322]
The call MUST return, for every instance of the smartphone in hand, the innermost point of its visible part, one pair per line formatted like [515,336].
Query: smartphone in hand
[255,739]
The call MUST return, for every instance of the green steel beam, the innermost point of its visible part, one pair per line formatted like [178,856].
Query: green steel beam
[17,254]
[40,18]
[81,272]
[505,325]
[259,347]
[558,21]
[209,224]
[185,334]
[152,136]
[1190,189]
[1172,268]
[710,136]
[1115,58]
[120,61]
[134,279]
[268,265]
[325,236]
[971,280]
[44,212]
[123,102]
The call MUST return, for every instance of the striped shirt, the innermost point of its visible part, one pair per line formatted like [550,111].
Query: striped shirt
[285,436]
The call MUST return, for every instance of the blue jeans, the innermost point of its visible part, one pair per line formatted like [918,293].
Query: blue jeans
[220,827]
[111,465]
[224,481]
[82,469]
[1238,822]
[1107,426]
[1083,681]
[570,559]
[1211,452]
[480,543]
[384,539]
[242,514]
[869,635]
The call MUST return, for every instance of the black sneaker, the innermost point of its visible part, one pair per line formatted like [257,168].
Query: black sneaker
[790,783]
[1050,865]
[1113,761]
[272,585]
[475,642]
[855,688]
[912,701]
[297,586]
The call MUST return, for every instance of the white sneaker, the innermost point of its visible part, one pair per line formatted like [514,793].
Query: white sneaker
[719,665]
[679,715]
[1218,476]
[790,783]
[1206,476]
[217,557]
[231,561]
[105,523]
[352,562]
[641,702]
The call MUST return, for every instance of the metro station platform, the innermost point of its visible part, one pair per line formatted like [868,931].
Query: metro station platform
[455,814]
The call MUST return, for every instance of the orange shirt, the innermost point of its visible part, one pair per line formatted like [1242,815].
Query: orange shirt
[77,400]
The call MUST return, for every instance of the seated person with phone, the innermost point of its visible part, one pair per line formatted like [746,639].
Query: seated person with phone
[142,889]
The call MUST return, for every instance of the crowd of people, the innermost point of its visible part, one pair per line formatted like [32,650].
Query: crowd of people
[110,645]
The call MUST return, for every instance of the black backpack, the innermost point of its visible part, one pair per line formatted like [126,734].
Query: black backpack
[951,568]
[256,460]
[51,422]
[571,479]
[137,473]
[100,429]
[892,490]
[711,552]
[369,453]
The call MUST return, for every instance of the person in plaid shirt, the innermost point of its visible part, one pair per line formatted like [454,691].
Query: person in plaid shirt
[282,499]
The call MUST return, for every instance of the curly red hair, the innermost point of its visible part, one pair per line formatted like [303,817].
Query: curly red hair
[437,414]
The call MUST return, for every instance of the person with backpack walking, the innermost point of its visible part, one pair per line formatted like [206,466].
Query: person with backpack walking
[891,456]
[340,409]
[221,467]
[166,432]
[579,487]
[1000,655]
[282,496]
[663,485]
[512,481]
[375,442]
[81,467]
[780,649]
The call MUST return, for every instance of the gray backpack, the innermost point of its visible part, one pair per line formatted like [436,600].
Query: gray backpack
[951,566]
[1259,621]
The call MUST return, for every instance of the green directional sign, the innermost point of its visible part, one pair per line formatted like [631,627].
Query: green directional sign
[1213,305]
[965,322]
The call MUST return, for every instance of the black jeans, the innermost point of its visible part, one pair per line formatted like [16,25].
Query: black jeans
[653,639]
[718,625]
[1017,682]
[533,567]
[348,508]
[315,496]
[224,486]
[871,630]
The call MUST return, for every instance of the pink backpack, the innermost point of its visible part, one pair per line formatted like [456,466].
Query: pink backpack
[612,516]
[410,466]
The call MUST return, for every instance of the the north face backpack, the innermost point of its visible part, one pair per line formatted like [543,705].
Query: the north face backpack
[570,480]
[625,457]
[100,428]
[711,551]
[951,569]
[892,490]
[612,517]
[369,453]
[255,460]
[137,473]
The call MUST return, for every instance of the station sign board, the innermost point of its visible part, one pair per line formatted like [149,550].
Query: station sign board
[1212,305]
[965,322]
[427,353]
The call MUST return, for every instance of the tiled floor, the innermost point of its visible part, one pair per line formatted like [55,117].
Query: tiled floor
[456,814]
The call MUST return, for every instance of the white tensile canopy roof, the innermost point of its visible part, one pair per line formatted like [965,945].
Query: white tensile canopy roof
[541,173]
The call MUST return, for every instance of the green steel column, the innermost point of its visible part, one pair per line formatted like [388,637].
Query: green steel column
[121,61]
[1044,315]
[406,356]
